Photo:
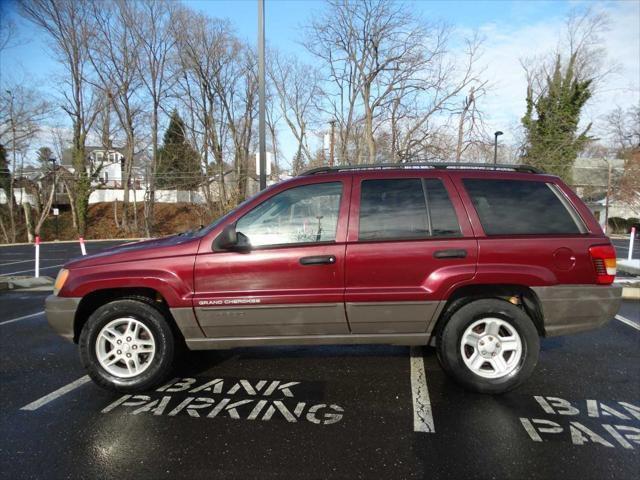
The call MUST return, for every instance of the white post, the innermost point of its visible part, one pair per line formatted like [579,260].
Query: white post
[37,257]
[82,247]
[631,239]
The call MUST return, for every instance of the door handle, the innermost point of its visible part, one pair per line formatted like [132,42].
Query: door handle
[453,253]
[318,260]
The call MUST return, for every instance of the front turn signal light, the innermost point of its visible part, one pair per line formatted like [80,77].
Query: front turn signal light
[60,280]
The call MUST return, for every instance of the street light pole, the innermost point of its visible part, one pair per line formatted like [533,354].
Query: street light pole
[332,142]
[495,147]
[262,100]
[55,200]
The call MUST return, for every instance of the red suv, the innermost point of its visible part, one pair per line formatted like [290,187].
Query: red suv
[479,261]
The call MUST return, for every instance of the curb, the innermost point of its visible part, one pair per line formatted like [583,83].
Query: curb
[632,267]
[631,293]
[23,283]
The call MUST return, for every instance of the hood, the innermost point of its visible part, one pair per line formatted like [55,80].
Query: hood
[174,245]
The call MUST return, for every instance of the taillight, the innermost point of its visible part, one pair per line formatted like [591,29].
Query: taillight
[604,261]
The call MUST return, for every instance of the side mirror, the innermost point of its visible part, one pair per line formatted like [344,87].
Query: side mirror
[229,240]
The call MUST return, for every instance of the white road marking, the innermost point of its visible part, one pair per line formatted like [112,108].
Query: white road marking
[56,394]
[21,318]
[31,270]
[626,321]
[422,414]
[13,263]
[30,260]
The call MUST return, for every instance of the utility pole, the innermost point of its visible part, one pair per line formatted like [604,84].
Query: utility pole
[332,139]
[262,100]
[606,201]
[56,212]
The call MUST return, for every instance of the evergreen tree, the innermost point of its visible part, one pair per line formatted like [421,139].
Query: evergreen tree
[552,138]
[178,161]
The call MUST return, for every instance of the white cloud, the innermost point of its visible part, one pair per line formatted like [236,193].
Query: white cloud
[507,44]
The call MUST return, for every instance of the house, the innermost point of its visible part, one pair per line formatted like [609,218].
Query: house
[107,164]
[33,184]
[591,179]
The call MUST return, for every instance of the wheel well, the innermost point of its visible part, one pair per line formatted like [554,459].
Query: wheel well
[519,295]
[94,300]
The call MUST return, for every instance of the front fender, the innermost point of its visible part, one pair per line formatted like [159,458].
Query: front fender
[176,286]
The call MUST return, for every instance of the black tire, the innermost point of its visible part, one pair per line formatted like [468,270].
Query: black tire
[154,319]
[450,336]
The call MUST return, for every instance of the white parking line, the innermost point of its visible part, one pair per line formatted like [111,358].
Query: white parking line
[56,394]
[21,318]
[30,260]
[13,263]
[626,321]
[422,414]
[31,270]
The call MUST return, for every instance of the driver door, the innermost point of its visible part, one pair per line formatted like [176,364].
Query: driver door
[291,282]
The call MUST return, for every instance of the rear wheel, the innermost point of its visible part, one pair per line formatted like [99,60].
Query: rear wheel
[489,346]
[127,345]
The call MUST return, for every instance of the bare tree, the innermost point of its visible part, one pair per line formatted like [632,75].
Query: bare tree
[113,53]
[296,87]
[389,71]
[471,128]
[7,29]
[203,46]
[237,89]
[68,25]
[151,24]
[22,111]
[624,129]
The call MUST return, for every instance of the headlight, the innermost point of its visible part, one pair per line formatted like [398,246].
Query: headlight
[60,280]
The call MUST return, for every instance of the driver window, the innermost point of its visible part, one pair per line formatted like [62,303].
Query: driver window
[306,214]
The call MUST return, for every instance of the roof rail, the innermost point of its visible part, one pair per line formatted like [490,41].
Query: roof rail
[420,166]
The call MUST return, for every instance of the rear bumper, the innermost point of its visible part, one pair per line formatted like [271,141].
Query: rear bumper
[576,308]
[61,312]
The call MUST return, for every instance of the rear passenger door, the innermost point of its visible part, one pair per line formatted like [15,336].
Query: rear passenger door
[409,242]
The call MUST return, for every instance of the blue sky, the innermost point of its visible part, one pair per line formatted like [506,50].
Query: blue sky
[285,18]
[513,30]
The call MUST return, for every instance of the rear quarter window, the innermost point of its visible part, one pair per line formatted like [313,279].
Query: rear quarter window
[521,207]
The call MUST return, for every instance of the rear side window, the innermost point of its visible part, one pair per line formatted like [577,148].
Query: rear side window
[520,207]
[442,216]
[404,209]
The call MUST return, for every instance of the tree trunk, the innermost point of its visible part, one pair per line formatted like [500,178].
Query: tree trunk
[45,210]
[151,179]
[26,206]
[126,179]
[4,230]
[368,124]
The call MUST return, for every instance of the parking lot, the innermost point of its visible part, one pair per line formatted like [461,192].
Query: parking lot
[312,412]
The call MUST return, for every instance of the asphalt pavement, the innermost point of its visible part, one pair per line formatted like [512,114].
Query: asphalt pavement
[314,412]
[622,247]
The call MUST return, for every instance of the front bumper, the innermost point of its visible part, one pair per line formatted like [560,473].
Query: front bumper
[61,312]
[575,308]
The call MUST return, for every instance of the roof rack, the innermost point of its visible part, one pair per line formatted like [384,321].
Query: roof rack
[420,166]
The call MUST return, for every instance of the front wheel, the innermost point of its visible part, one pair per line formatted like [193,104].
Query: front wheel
[489,346]
[127,345]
